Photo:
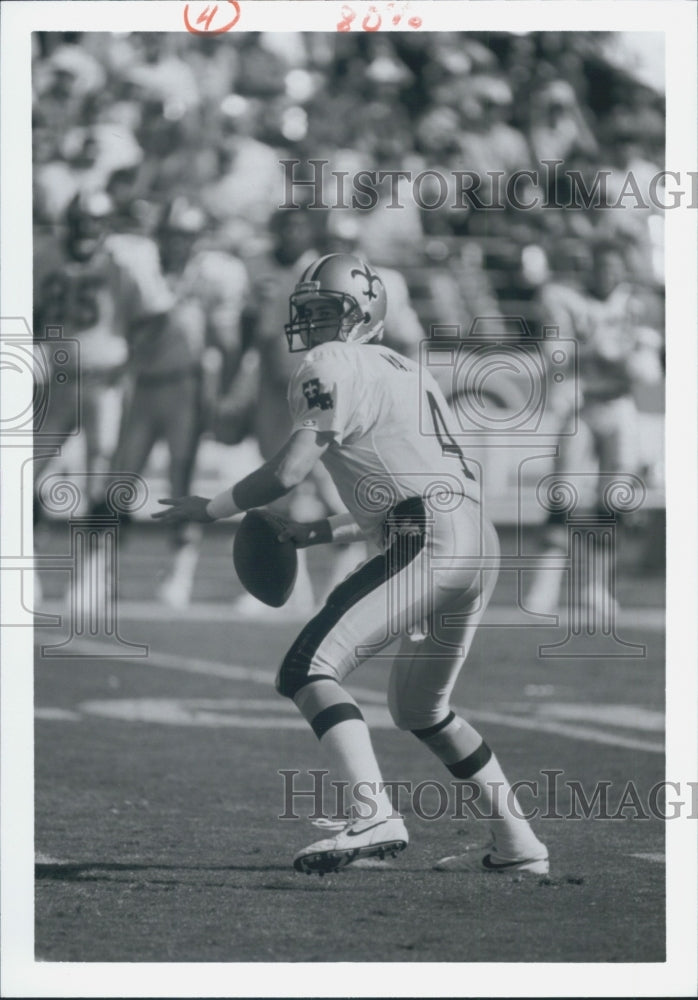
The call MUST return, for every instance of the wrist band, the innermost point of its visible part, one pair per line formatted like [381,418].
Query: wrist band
[344,528]
[222,505]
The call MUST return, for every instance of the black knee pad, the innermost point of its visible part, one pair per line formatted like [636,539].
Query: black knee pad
[288,682]
[293,673]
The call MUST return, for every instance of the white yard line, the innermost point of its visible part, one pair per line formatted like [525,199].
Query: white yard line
[651,619]
[262,675]
[656,856]
[57,714]
[586,733]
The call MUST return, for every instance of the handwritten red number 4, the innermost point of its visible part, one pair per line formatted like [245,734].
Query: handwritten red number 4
[206,17]
[373,20]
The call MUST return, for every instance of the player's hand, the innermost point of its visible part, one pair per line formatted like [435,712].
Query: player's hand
[304,534]
[184,509]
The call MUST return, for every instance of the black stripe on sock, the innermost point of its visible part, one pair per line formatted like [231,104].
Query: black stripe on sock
[329,717]
[470,765]
[424,734]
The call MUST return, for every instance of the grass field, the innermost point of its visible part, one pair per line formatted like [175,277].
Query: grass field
[158,797]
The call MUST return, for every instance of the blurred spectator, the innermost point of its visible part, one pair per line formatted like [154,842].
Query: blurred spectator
[631,171]
[63,85]
[558,130]
[488,143]
[88,156]
[249,187]
[157,70]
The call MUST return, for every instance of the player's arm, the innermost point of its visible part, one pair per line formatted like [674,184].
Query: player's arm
[337,529]
[274,479]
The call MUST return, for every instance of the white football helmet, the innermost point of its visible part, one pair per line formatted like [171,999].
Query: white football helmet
[351,296]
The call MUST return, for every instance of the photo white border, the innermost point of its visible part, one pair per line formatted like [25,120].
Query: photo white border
[21,975]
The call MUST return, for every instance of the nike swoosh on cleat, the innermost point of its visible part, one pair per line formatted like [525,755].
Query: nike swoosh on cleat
[488,863]
[359,833]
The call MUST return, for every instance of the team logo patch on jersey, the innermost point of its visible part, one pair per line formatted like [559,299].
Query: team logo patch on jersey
[313,392]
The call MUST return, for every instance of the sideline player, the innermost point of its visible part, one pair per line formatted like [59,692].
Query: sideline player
[74,277]
[358,407]
[618,353]
[203,344]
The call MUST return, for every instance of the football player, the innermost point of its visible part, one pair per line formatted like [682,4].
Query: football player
[176,396]
[383,430]
[75,278]
[103,290]
[619,351]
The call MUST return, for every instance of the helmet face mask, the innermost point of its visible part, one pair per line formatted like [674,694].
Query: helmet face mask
[337,298]
[318,317]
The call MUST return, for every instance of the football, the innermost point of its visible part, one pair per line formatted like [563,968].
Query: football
[267,568]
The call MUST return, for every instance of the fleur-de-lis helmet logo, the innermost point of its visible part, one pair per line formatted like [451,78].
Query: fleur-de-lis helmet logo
[370,278]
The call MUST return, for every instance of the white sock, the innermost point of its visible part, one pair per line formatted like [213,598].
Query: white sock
[350,752]
[512,834]
[345,738]
[464,752]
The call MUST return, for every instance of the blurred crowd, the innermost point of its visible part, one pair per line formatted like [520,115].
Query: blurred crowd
[153,116]
[157,174]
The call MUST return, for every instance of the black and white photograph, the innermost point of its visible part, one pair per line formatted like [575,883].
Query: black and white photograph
[349,465]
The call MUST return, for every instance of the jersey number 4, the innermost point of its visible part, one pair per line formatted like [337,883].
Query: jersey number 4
[449,445]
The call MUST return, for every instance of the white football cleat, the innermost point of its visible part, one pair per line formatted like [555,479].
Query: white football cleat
[487,860]
[364,838]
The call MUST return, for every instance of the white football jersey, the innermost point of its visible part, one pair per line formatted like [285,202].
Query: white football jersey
[393,435]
